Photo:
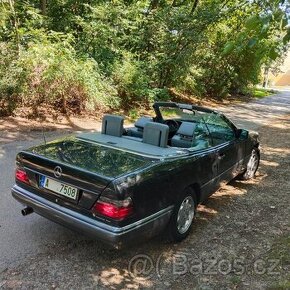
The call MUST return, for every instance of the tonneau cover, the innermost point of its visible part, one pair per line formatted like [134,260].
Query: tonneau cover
[133,145]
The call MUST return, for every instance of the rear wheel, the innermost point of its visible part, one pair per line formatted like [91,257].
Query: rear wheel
[252,166]
[183,216]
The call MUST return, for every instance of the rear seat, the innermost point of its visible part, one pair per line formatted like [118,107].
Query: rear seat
[154,133]
[113,125]
[137,130]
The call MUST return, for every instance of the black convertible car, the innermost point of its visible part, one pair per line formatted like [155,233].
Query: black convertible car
[121,185]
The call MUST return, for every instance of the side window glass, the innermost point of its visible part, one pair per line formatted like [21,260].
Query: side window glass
[220,130]
[201,137]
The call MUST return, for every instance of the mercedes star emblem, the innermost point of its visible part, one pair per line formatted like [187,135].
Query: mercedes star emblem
[57,171]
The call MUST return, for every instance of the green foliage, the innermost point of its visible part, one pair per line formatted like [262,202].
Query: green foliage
[133,115]
[77,54]
[9,86]
[55,74]
[261,93]
[49,71]
[131,80]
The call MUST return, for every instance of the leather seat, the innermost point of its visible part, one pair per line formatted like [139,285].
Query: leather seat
[184,136]
[113,125]
[137,130]
[156,134]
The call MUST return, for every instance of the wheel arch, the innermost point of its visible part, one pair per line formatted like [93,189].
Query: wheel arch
[256,147]
[197,190]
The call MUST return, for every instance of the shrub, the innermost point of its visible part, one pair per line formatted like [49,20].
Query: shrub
[10,87]
[49,72]
[55,74]
[131,80]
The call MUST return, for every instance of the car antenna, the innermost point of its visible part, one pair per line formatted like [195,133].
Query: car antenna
[43,134]
[42,128]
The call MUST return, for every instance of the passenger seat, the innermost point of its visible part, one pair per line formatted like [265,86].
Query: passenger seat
[156,134]
[184,135]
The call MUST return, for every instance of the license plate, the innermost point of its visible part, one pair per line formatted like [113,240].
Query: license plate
[58,187]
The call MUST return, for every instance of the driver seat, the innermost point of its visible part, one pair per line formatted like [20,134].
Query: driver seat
[184,135]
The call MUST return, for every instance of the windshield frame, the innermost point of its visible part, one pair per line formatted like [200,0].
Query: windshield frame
[158,105]
[159,118]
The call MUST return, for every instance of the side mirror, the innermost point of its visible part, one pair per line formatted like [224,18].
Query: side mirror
[238,133]
[242,134]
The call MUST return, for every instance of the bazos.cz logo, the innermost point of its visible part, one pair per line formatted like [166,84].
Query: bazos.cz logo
[184,263]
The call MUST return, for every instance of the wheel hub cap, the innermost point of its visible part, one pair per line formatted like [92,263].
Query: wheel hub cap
[185,214]
[252,165]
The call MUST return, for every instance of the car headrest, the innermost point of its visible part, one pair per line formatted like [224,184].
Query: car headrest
[156,134]
[113,125]
[141,122]
[186,129]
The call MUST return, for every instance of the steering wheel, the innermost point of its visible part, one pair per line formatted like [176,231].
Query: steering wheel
[172,124]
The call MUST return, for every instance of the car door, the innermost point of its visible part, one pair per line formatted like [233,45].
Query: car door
[228,149]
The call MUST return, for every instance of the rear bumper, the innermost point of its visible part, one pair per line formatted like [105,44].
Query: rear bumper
[115,236]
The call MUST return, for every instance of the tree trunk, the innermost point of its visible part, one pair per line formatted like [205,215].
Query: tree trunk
[153,4]
[15,25]
[266,77]
[43,4]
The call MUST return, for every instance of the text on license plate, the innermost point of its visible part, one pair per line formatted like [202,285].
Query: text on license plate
[58,187]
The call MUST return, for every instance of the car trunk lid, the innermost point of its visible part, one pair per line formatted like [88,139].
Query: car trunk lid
[89,167]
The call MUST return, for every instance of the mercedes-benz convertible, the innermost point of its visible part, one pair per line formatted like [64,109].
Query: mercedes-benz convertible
[122,184]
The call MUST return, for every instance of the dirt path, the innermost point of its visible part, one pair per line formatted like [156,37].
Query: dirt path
[240,240]
[251,115]
[22,129]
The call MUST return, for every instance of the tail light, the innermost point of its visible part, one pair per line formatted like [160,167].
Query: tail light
[115,209]
[21,176]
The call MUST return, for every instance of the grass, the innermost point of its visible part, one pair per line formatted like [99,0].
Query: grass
[280,250]
[281,286]
[260,93]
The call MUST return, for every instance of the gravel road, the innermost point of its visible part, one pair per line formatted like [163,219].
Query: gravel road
[244,221]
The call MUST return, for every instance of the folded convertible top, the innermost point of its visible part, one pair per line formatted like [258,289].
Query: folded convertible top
[131,144]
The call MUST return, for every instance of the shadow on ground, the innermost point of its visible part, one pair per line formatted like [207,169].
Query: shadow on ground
[242,220]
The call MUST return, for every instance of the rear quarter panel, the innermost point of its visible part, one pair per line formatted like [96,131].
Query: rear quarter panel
[160,185]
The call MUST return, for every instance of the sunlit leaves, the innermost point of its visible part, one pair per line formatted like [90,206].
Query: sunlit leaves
[253,22]
[252,42]
[286,38]
[273,53]
[229,47]
[137,49]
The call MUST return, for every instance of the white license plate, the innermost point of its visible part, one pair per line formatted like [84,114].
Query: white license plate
[58,187]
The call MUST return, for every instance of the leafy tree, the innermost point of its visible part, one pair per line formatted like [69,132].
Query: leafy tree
[124,52]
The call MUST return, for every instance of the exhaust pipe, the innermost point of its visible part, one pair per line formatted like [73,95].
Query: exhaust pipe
[27,210]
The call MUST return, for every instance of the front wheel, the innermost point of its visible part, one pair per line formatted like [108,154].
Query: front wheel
[183,216]
[252,166]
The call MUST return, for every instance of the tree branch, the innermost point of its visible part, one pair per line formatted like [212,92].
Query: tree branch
[195,3]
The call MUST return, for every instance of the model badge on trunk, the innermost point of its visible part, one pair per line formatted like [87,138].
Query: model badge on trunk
[57,171]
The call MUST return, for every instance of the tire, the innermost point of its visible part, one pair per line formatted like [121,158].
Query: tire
[183,216]
[252,166]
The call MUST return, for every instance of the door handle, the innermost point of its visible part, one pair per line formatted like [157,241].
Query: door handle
[221,156]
